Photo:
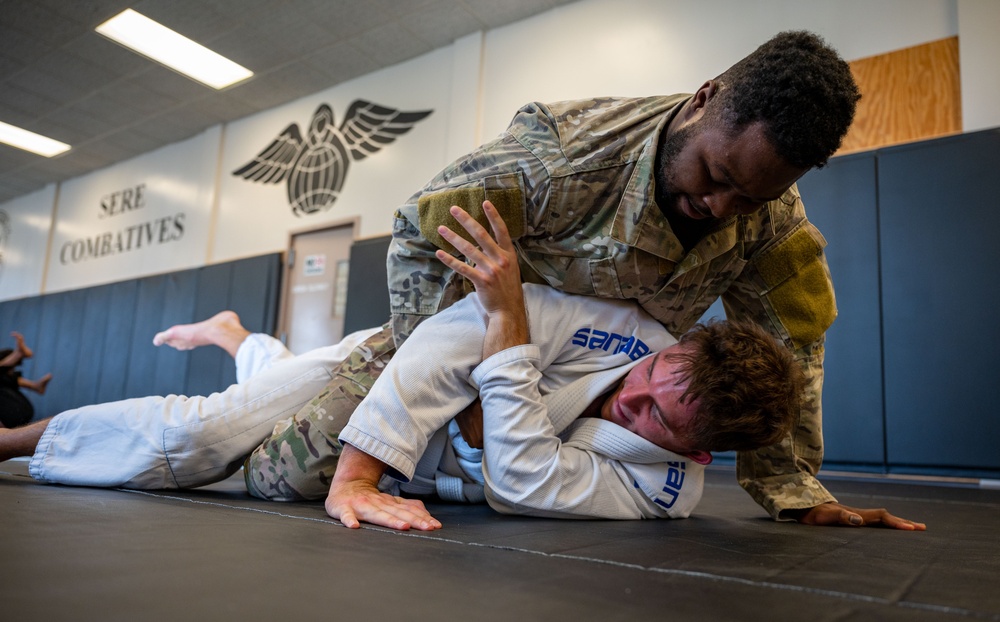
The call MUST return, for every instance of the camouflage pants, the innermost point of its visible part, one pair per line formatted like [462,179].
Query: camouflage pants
[297,461]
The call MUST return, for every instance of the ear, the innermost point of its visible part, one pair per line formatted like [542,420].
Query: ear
[696,107]
[701,457]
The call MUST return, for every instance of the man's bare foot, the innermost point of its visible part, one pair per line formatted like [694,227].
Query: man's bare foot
[25,351]
[222,329]
[38,386]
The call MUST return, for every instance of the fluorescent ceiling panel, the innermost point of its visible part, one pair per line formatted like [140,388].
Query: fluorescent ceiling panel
[154,40]
[30,141]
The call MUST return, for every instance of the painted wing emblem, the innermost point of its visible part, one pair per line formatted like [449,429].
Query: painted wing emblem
[315,168]
[368,127]
[273,163]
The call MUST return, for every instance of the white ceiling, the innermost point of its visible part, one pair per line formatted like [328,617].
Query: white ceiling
[61,79]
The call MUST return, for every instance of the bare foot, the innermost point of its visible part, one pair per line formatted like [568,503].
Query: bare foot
[222,329]
[38,386]
[25,351]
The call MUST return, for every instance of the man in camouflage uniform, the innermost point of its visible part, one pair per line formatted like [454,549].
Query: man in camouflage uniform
[671,202]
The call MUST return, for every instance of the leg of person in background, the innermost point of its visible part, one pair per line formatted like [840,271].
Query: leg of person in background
[38,386]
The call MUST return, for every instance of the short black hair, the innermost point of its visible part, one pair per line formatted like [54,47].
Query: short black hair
[800,88]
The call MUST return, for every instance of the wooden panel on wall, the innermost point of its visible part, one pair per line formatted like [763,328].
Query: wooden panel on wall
[907,95]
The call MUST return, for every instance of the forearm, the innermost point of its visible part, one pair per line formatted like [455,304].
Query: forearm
[782,477]
[505,331]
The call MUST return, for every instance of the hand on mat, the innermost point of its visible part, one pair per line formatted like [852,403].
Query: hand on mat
[837,514]
[354,501]
[355,497]
[494,270]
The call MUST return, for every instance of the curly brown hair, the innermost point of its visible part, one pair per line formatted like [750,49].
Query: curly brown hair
[747,385]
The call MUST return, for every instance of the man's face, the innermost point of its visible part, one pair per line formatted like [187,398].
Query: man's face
[648,403]
[704,172]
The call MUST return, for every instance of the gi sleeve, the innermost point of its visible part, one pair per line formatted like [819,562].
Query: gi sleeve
[528,469]
[787,289]
[422,388]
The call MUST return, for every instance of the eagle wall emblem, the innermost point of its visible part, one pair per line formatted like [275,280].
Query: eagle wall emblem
[315,168]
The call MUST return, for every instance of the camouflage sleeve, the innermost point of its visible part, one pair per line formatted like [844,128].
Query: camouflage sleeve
[786,288]
[502,171]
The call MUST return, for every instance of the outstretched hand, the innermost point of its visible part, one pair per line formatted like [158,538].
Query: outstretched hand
[838,514]
[354,502]
[354,497]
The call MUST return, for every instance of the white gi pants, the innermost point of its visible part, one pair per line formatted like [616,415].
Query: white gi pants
[182,442]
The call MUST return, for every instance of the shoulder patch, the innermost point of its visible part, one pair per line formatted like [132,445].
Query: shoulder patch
[805,305]
[433,211]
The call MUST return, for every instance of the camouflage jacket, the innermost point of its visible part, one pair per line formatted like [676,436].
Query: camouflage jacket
[574,183]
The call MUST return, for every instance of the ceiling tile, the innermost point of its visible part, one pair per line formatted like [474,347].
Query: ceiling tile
[389,44]
[169,83]
[75,71]
[131,94]
[64,80]
[19,106]
[22,46]
[264,54]
[342,62]
[442,24]
[87,124]
[88,14]
[495,14]
[106,111]
[39,21]
[194,19]
[104,52]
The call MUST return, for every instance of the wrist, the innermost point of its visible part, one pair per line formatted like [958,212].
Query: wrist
[356,465]
[505,330]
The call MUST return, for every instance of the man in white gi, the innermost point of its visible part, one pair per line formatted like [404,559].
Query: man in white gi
[562,434]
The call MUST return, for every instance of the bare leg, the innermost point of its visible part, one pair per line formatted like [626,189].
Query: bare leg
[21,441]
[38,386]
[25,351]
[223,330]
[12,359]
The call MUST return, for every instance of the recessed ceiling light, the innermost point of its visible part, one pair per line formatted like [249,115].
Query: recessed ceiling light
[141,34]
[30,141]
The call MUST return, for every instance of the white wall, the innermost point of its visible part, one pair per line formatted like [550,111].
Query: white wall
[23,243]
[146,215]
[474,86]
[256,218]
[642,47]
[979,51]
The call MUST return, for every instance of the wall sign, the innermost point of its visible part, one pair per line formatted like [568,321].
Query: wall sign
[315,168]
[143,216]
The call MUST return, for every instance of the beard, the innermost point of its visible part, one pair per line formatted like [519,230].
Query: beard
[665,187]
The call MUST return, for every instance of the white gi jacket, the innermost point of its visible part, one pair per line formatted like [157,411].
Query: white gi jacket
[540,458]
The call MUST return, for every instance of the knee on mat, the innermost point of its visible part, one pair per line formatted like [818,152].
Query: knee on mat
[274,476]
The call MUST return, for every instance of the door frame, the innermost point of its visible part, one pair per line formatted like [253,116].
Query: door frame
[353,222]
